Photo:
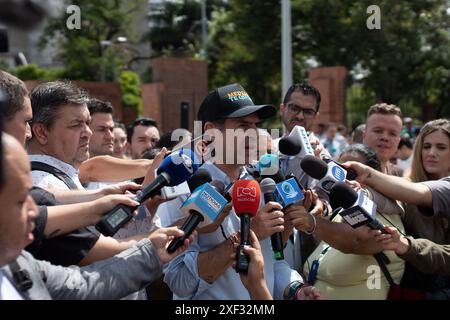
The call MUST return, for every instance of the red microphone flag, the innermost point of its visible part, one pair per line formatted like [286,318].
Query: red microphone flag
[246,197]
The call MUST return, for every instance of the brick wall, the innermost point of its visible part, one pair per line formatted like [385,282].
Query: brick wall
[330,81]
[152,101]
[181,80]
[174,80]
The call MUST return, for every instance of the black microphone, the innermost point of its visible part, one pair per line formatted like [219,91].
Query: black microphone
[203,206]
[200,177]
[351,174]
[296,144]
[219,186]
[268,187]
[173,170]
[289,146]
[358,208]
[326,173]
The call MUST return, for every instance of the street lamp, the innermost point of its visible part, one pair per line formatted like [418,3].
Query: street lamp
[105,44]
[286,46]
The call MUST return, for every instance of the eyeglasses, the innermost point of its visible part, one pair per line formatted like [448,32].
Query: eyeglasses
[295,109]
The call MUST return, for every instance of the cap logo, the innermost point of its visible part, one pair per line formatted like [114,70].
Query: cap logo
[238,95]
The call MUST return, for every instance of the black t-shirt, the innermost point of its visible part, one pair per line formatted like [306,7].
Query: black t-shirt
[65,250]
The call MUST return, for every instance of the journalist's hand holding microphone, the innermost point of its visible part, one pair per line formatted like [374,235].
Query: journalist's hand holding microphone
[268,222]
[153,203]
[254,280]
[299,216]
[161,239]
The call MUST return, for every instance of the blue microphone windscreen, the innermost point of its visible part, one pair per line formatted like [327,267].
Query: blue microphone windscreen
[179,165]
[269,164]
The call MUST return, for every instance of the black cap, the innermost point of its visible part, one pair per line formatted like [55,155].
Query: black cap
[232,101]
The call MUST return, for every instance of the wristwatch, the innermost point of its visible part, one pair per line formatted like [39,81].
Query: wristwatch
[293,288]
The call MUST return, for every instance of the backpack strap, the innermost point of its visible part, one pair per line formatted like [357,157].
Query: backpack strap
[40,166]
[381,262]
[21,277]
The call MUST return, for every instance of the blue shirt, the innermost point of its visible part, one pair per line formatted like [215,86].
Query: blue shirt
[181,274]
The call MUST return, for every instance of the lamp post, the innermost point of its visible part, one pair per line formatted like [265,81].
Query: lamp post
[204,30]
[286,45]
[105,44]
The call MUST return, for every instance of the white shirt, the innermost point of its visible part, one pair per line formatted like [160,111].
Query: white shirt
[404,164]
[7,290]
[47,180]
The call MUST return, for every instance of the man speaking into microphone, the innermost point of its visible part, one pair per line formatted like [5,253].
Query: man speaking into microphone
[205,270]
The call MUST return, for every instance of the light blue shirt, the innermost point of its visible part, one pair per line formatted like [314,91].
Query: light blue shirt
[181,274]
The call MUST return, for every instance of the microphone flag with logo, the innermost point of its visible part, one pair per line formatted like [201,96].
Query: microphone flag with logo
[246,201]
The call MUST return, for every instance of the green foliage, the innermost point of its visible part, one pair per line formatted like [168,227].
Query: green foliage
[407,60]
[131,90]
[176,27]
[246,48]
[4,65]
[80,51]
[358,102]
[34,72]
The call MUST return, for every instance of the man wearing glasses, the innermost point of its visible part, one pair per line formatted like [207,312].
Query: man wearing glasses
[300,107]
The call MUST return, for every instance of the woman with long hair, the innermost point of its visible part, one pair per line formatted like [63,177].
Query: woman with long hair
[431,154]
[431,161]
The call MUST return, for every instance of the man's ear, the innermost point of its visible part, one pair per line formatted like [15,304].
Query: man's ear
[40,133]
[282,107]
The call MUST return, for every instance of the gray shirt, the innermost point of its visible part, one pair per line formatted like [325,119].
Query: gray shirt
[440,191]
[113,278]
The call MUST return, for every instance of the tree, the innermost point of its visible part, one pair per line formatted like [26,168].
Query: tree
[407,60]
[245,47]
[81,50]
[176,27]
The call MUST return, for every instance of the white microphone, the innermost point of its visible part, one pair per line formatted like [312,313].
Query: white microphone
[296,144]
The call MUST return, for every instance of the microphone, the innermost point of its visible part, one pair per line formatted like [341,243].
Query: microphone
[174,169]
[289,146]
[351,174]
[203,206]
[296,144]
[269,167]
[197,179]
[200,177]
[358,209]
[226,193]
[253,169]
[327,174]
[268,187]
[169,193]
[246,201]
[288,192]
